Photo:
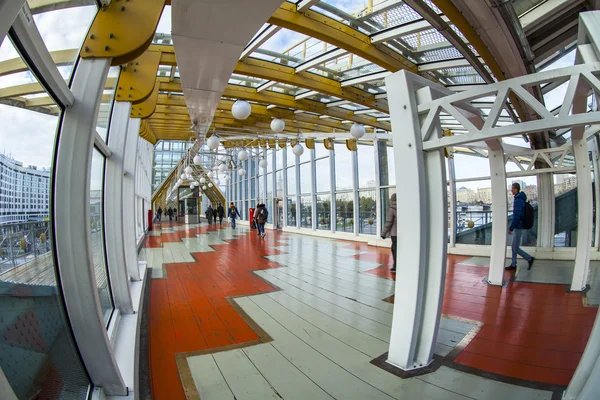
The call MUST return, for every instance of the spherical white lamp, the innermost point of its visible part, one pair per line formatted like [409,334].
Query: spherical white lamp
[263,163]
[213,142]
[192,185]
[188,170]
[188,177]
[243,155]
[227,178]
[217,182]
[204,187]
[183,176]
[197,159]
[241,109]
[298,150]
[277,125]
[241,172]
[357,131]
[210,184]
[211,174]
[179,182]
[222,167]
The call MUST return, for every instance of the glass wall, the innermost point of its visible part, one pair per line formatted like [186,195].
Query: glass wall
[167,154]
[38,354]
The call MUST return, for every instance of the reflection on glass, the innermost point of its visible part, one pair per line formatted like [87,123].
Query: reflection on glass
[269,185]
[324,212]
[344,212]
[323,175]
[565,204]
[474,212]
[261,188]
[305,178]
[97,227]
[366,166]
[278,158]
[36,338]
[279,182]
[291,181]
[269,158]
[367,212]
[343,167]
[107,102]
[291,211]
[306,212]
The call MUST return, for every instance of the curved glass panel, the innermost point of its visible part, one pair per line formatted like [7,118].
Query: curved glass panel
[38,355]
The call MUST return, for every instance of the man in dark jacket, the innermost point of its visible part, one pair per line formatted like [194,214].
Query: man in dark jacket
[209,214]
[390,228]
[220,213]
[516,227]
[261,216]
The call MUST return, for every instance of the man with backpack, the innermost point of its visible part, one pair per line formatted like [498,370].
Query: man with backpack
[522,219]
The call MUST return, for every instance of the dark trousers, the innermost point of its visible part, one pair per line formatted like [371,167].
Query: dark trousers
[220,220]
[394,241]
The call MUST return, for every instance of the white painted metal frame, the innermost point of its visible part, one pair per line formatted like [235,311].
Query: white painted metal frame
[422,247]
[134,173]
[71,207]
[114,202]
[8,12]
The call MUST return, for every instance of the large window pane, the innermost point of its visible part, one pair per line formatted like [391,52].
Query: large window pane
[305,179]
[343,167]
[261,188]
[291,211]
[291,181]
[306,212]
[565,198]
[63,31]
[37,353]
[107,102]
[279,182]
[269,185]
[269,158]
[367,212]
[387,165]
[97,226]
[474,212]
[344,212]
[324,212]
[366,166]
[278,158]
[321,151]
[323,175]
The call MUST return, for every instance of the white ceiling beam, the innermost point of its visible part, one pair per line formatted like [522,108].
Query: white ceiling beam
[270,106]
[434,66]
[366,78]
[381,96]
[260,39]
[265,86]
[403,30]
[338,103]
[535,18]
[368,111]
[306,4]
[322,59]
[306,94]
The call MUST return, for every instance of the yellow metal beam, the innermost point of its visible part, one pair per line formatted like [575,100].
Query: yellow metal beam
[147,133]
[36,88]
[14,65]
[327,29]
[283,100]
[123,30]
[138,78]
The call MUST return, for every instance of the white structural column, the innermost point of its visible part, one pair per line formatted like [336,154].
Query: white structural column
[72,234]
[452,197]
[596,161]
[499,215]
[285,186]
[8,12]
[422,248]
[129,198]
[585,384]
[114,207]
[333,217]
[379,211]
[585,212]
[313,190]
[355,194]
[546,212]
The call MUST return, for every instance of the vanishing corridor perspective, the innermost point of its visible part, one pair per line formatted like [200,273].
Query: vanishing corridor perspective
[301,199]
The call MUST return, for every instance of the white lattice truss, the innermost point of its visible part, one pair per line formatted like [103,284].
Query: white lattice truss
[582,79]
[556,160]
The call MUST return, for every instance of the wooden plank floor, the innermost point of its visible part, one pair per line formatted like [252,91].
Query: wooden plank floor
[534,332]
[329,320]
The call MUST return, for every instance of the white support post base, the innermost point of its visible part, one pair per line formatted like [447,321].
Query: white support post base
[422,240]
[499,216]
[546,212]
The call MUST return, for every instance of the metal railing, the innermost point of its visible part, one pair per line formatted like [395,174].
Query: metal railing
[23,242]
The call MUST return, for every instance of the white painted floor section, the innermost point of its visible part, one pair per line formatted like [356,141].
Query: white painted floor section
[327,324]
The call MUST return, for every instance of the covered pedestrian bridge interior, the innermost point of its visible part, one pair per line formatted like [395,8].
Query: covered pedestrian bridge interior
[112,109]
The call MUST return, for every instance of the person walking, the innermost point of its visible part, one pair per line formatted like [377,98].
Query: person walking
[220,213]
[261,218]
[209,214]
[516,227]
[170,214]
[233,214]
[390,228]
[159,212]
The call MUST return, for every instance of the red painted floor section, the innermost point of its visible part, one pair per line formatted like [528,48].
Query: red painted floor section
[534,332]
[189,310]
